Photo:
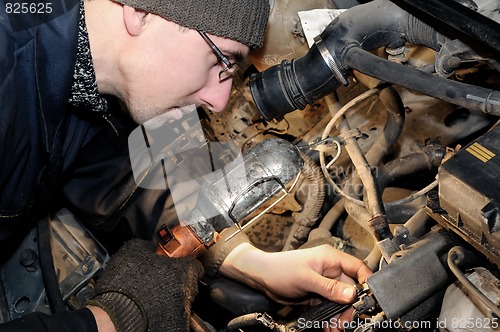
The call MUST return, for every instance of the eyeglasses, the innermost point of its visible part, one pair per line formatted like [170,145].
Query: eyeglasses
[230,68]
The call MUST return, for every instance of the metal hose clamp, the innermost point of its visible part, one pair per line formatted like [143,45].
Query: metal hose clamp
[330,61]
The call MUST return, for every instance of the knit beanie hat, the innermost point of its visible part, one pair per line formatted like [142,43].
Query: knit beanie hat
[240,20]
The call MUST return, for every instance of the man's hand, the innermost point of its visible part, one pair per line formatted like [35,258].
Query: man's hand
[295,276]
[140,290]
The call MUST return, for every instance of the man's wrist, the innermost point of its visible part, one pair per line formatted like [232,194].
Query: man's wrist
[244,264]
[213,258]
[103,321]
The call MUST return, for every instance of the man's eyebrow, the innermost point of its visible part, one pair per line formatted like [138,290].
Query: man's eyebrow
[236,55]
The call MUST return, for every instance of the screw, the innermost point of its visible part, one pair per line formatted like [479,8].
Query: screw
[28,257]
[86,268]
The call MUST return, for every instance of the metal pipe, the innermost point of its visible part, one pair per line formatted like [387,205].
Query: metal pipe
[455,256]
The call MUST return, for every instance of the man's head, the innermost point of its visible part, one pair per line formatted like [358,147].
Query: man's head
[151,55]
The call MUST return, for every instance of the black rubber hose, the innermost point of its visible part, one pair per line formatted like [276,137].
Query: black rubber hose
[50,281]
[392,130]
[292,85]
[430,156]
[468,96]
[393,126]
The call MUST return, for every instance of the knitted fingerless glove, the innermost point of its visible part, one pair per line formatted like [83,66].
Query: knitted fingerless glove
[143,291]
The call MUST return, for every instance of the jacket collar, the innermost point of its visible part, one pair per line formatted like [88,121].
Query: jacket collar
[84,93]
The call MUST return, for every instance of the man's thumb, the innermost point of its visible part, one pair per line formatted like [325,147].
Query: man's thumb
[336,291]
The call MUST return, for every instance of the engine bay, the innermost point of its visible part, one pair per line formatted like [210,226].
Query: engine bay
[402,178]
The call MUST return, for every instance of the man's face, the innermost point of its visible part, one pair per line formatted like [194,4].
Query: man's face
[167,67]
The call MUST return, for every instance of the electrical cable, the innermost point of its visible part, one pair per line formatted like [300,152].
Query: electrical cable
[414,196]
[49,277]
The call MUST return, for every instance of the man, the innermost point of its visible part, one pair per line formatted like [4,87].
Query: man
[156,58]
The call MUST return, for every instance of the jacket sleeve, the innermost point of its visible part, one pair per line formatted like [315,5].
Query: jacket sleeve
[35,83]
[14,197]
[80,320]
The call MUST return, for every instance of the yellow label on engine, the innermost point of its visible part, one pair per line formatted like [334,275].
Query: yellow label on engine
[480,152]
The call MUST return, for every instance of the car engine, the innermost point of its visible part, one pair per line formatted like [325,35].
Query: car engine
[395,110]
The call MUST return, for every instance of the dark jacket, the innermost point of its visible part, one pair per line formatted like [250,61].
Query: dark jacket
[39,136]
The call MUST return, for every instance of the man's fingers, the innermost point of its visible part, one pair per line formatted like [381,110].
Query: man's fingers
[348,265]
[354,267]
[362,273]
[335,283]
[333,289]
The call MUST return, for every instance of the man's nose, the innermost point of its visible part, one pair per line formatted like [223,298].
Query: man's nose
[216,94]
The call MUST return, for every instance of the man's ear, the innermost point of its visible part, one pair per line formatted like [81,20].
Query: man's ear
[134,20]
